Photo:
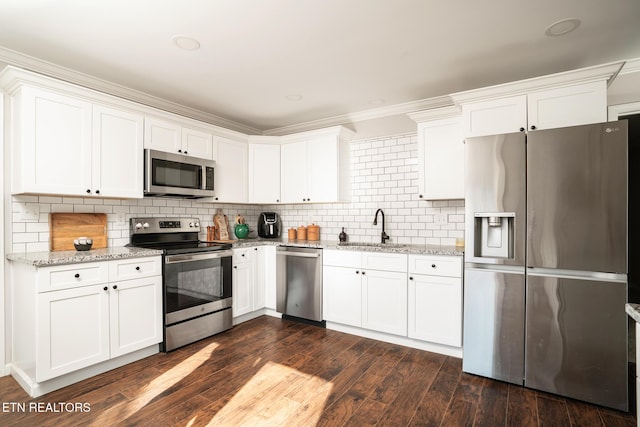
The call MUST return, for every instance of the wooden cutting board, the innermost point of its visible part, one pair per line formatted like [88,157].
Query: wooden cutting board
[65,227]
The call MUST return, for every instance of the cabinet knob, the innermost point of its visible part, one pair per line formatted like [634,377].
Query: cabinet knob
[242,254]
[216,198]
[235,266]
[420,196]
[138,268]
[105,289]
[185,152]
[410,278]
[88,191]
[521,129]
[255,249]
[97,191]
[77,275]
[179,151]
[433,266]
[277,200]
[363,273]
[533,127]
[357,272]
[115,286]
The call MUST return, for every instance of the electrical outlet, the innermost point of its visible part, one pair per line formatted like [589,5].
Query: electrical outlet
[121,219]
[30,212]
[440,219]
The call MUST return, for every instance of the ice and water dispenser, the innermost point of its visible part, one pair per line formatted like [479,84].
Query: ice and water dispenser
[494,235]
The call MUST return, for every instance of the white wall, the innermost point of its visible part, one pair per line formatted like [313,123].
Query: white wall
[384,175]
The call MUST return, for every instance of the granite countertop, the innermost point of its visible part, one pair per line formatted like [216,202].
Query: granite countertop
[354,246]
[633,310]
[47,259]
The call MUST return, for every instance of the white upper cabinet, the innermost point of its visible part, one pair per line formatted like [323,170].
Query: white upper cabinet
[567,106]
[294,172]
[174,137]
[565,99]
[264,170]
[51,143]
[440,154]
[231,175]
[495,116]
[197,143]
[65,145]
[117,140]
[315,166]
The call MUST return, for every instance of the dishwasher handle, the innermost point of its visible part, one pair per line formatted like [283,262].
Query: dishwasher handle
[299,254]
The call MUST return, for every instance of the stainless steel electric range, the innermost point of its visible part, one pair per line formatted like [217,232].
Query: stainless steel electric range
[196,278]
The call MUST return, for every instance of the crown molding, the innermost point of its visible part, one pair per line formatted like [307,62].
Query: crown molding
[50,69]
[630,66]
[376,113]
[436,114]
[606,72]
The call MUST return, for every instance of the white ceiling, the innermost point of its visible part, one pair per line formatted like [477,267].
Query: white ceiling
[339,55]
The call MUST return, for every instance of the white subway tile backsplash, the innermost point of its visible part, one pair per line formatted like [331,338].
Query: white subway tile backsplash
[384,174]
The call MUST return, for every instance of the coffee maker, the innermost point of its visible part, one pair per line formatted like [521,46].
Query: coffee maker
[269,225]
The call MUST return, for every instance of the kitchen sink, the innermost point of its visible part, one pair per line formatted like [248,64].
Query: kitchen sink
[372,245]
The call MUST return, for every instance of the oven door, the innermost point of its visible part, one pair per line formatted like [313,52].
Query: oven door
[196,284]
[176,174]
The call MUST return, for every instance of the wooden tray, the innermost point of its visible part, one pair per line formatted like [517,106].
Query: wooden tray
[65,227]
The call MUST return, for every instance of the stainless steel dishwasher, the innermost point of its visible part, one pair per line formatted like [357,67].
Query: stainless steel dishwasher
[299,282]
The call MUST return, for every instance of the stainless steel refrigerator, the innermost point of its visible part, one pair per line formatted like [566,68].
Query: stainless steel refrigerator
[545,281]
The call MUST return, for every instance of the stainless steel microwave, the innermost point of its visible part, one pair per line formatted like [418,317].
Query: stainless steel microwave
[177,175]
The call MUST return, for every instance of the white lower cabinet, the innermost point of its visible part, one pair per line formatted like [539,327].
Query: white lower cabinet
[415,296]
[134,325]
[74,316]
[72,330]
[435,299]
[342,295]
[267,275]
[254,279]
[356,293]
[243,280]
[384,301]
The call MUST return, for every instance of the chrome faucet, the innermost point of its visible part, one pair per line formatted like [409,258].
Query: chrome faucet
[384,235]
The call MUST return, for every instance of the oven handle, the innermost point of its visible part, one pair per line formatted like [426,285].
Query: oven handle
[172,259]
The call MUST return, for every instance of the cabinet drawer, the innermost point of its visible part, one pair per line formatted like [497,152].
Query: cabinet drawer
[384,261]
[134,268]
[72,276]
[340,258]
[436,265]
[243,255]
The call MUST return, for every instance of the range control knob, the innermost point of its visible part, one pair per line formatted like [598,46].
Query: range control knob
[145,225]
[197,224]
[138,225]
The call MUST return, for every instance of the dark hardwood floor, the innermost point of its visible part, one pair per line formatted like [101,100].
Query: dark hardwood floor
[274,372]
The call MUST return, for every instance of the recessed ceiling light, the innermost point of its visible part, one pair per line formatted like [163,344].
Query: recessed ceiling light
[376,102]
[562,27]
[185,43]
[293,98]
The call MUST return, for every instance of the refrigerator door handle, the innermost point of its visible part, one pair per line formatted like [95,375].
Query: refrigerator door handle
[494,268]
[576,274]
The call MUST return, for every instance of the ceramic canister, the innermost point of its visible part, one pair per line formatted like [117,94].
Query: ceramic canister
[313,232]
[302,233]
[292,234]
